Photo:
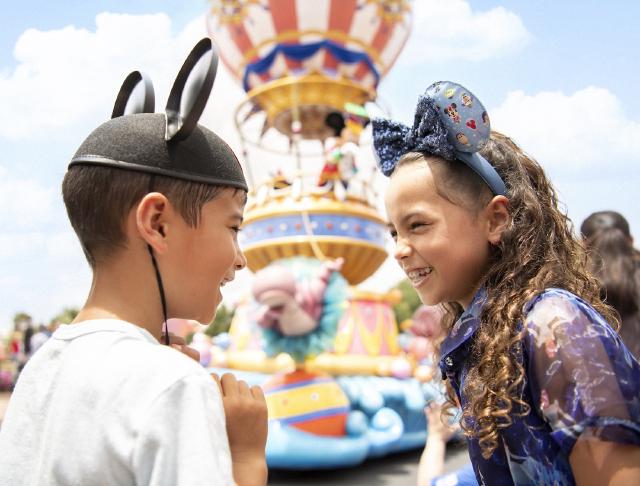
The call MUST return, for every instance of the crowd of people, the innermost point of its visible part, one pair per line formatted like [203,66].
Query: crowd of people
[531,355]
[18,345]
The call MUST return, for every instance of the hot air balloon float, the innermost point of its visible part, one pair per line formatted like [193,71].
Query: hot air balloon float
[339,387]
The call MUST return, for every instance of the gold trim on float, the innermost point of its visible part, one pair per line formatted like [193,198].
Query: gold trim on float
[317,206]
[368,257]
[350,364]
[282,99]
[305,95]
[284,196]
[392,297]
[333,364]
[321,240]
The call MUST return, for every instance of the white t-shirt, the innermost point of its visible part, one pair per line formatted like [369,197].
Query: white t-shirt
[102,402]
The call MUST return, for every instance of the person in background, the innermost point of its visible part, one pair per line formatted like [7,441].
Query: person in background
[431,467]
[616,263]
[39,338]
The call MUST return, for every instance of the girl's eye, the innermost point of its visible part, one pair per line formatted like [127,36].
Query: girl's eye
[414,226]
[394,234]
[236,229]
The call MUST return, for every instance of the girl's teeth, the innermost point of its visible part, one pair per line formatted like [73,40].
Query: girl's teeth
[417,274]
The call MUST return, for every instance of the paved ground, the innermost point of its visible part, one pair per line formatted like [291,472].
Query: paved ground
[4,401]
[396,470]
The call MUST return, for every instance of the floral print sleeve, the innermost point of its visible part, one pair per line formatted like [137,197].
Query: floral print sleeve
[583,380]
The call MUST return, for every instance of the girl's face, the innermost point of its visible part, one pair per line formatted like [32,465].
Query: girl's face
[442,247]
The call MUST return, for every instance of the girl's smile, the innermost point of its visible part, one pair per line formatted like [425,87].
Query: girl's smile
[418,276]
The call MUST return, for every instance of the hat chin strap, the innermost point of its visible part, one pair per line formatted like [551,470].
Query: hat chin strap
[163,300]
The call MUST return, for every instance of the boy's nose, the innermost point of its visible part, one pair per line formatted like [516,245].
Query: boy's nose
[241,260]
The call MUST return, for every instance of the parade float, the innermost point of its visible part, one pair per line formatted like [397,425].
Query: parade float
[341,384]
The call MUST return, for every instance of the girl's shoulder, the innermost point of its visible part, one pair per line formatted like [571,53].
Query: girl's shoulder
[558,323]
[554,303]
[558,312]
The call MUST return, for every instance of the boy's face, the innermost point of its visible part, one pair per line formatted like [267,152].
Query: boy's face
[442,247]
[205,257]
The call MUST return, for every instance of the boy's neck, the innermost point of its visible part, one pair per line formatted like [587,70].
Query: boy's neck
[125,289]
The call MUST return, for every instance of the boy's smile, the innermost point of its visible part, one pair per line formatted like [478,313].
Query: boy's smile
[206,257]
[442,247]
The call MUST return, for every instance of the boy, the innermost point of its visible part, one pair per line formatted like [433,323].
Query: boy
[156,206]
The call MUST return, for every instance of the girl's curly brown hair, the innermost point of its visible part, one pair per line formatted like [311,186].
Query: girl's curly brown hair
[538,250]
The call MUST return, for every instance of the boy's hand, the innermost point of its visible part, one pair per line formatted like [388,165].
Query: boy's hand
[245,410]
[180,344]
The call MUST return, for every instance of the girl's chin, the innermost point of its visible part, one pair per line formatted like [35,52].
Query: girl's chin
[429,298]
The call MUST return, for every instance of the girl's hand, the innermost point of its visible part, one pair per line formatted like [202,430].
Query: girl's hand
[436,428]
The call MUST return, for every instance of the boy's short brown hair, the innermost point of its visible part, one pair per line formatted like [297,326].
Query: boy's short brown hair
[98,200]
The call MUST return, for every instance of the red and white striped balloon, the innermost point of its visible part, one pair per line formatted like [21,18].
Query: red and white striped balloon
[247,31]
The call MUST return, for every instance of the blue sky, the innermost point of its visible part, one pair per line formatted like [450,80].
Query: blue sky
[560,77]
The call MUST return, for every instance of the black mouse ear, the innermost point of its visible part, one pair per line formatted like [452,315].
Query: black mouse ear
[335,121]
[196,75]
[125,103]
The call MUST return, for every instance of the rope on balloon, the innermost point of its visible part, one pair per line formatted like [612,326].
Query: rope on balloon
[317,252]
[243,146]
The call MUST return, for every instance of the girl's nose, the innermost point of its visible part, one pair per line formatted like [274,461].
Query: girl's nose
[402,249]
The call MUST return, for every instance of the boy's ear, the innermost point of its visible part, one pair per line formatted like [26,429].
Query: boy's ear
[152,220]
[497,217]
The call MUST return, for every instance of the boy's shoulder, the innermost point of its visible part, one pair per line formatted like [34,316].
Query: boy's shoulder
[124,355]
[113,365]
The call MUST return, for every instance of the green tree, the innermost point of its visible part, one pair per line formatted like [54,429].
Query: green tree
[67,315]
[21,318]
[221,322]
[410,301]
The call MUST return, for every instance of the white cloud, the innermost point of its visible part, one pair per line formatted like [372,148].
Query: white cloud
[69,77]
[20,245]
[42,272]
[451,31]
[65,83]
[23,202]
[586,129]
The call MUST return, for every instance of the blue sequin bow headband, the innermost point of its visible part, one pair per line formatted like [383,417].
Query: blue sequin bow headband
[450,122]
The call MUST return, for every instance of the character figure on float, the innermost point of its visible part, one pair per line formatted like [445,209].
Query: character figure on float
[299,302]
[342,149]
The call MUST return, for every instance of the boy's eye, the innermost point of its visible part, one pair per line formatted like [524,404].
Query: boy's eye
[393,234]
[236,229]
[416,225]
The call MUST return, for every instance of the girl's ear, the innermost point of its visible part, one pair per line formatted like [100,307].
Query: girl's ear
[497,217]
[153,214]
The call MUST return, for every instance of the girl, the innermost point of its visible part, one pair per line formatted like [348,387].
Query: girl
[617,264]
[549,393]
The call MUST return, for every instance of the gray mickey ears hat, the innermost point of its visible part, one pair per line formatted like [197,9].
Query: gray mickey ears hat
[172,144]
